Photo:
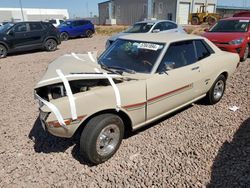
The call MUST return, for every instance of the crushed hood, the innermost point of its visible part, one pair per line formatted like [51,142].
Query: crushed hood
[73,66]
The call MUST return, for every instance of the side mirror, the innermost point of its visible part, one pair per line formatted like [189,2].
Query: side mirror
[167,66]
[156,31]
[11,32]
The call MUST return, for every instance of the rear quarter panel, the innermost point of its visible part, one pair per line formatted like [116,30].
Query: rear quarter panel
[218,63]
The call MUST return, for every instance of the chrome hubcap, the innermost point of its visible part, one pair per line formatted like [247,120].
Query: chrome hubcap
[218,90]
[108,140]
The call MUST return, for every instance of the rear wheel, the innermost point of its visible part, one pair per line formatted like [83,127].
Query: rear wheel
[246,53]
[216,92]
[50,45]
[64,36]
[195,21]
[101,138]
[3,51]
[89,33]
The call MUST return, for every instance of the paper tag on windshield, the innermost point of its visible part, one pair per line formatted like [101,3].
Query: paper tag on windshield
[244,21]
[148,46]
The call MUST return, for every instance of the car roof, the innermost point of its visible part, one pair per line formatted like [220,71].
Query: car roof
[72,20]
[160,37]
[237,18]
[154,21]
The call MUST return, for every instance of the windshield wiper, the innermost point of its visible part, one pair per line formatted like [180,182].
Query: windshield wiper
[105,67]
[122,69]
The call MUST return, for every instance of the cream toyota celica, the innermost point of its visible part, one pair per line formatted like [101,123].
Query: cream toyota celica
[137,80]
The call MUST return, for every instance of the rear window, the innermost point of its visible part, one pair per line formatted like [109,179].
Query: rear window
[35,26]
[201,49]
[52,21]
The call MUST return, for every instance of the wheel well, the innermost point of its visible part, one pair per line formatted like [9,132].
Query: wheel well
[225,74]
[51,38]
[125,118]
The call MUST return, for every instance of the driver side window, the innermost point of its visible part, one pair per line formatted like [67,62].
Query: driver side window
[20,28]
[178,55]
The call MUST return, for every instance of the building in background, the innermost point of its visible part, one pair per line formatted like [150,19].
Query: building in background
[32,14]
[130,11]
[228,8]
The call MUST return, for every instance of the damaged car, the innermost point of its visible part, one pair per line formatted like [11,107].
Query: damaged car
[139,79]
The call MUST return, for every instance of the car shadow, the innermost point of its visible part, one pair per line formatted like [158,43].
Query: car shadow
[129,134]
[44,142]
[27,52]
[231,167]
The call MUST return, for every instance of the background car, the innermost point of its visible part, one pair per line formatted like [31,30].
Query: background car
[56,22]
[25,36]
[232,34]
[148,26]
[76,28]
[242,14]
[139,79]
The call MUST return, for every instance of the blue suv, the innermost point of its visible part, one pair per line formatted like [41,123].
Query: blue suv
[76,28]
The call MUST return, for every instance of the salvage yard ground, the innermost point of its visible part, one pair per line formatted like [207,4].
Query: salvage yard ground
[198,146]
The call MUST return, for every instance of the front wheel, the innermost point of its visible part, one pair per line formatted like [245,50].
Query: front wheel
[50,45]
[216,92]
[3,51]
[101,138]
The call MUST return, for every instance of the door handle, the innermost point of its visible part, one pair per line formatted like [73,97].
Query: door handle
[195,68]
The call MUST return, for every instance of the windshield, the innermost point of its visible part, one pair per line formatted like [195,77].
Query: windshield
[140,28]
[5,27]
[231,26]
[131,56]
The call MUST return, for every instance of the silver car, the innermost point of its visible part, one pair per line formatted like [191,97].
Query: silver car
[148,26]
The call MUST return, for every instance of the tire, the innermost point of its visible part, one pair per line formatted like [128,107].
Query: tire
[64,36]
[50,45]
[89,33]
[246,53]
[101,138]
[195,21]
[3,51]
[211,20]
[216,92]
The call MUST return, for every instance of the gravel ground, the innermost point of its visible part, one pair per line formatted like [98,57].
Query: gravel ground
[196,147]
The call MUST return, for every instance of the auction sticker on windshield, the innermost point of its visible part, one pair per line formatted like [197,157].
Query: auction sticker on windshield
[149,46]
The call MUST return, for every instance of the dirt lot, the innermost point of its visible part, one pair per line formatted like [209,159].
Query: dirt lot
[196,147]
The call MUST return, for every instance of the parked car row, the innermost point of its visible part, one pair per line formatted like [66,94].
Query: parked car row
[23,36]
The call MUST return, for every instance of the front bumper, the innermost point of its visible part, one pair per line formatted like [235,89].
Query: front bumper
[57,131]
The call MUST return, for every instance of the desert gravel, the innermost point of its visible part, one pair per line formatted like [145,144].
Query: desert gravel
[197,147]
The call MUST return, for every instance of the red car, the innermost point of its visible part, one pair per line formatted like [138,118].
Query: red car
[242,14]
[231,34]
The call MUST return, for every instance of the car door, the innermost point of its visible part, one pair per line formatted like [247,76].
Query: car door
[18,35]
[177,81]
[36,34]
[78,27]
